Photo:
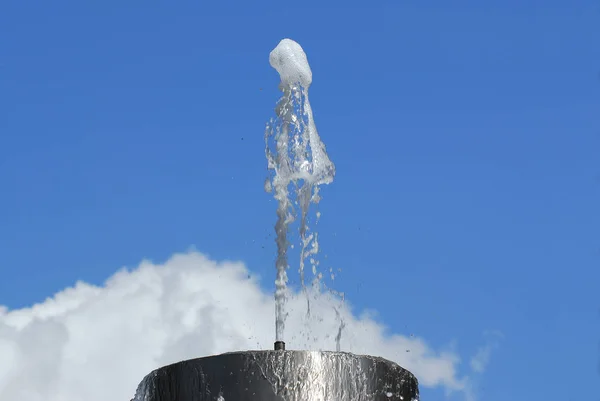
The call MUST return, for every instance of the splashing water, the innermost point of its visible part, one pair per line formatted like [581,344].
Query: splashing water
[299,164]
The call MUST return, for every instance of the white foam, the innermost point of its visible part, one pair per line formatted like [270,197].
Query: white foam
[290,61]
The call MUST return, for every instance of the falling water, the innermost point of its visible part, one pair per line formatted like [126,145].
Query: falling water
[299,164]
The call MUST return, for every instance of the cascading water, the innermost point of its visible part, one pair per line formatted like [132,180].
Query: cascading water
[299,164]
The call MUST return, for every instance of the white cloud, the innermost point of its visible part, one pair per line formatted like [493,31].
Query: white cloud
[482,357]
[97,343]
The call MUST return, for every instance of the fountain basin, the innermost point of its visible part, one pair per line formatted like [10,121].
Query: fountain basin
[280,376]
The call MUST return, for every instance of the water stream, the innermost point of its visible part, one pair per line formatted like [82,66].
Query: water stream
[298,165]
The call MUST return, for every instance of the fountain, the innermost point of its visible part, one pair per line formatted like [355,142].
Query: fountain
[299,164]
[278,376]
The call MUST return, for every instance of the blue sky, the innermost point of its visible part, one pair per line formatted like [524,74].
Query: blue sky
[465,136]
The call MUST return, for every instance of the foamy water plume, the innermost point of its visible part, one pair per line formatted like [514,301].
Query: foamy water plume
[298,164]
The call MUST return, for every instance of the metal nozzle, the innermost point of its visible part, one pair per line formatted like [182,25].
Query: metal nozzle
[279,346]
